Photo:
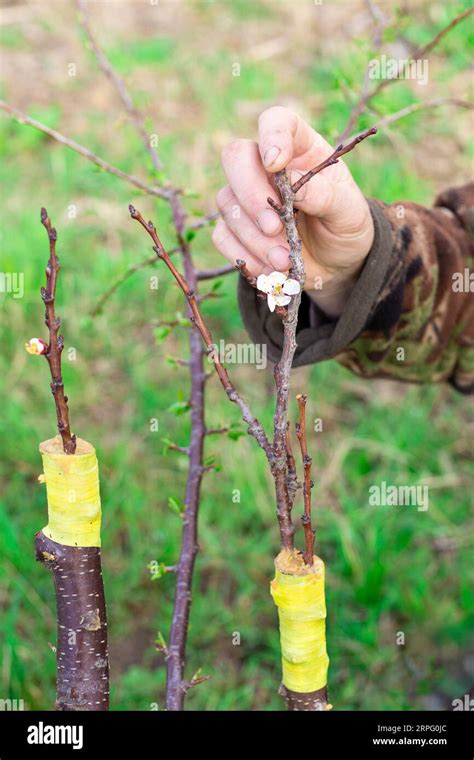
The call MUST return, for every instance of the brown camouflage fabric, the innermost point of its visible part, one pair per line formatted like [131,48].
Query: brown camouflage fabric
[410,316]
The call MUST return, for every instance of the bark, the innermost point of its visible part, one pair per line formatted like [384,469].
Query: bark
[81,650]
[311,701]
[176,686]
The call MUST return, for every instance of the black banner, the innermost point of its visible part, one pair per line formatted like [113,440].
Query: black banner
[384,734]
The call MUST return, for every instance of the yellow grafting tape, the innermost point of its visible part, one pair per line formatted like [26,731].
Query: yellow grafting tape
[302,613]
[72,484]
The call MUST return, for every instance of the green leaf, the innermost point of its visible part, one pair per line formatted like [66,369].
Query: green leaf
[157,570]
[167,442]
[189,235]
[179,408]
[159,641]
[234,435]
[176,505]
[161,333]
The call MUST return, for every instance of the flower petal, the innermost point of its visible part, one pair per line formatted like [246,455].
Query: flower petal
[291,287]
[36,346]
[277,278]
[263,284]
[271,302]
[282,300]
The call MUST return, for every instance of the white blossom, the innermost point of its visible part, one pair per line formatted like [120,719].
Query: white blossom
[278,287]
[36,346]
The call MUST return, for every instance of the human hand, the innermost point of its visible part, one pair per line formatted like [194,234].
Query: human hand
[334,220]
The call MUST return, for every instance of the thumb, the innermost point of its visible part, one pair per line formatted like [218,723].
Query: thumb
[317,197]
[285,137]
[277,128]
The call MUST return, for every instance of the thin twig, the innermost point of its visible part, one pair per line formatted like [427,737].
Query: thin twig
[341,150]
[241,267]
[427,104]
[123,278]
[119,85]
[254,427]
[204,220]
[367,95]
[195,681]
[181,449]
[293,483]
[307,482]
[210,274]
[217,431]
[56,341]
[377,38]
[83,151]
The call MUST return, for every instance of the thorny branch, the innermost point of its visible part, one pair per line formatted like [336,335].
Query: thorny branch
[56,341]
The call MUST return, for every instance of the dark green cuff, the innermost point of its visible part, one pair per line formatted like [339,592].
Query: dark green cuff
[319,337]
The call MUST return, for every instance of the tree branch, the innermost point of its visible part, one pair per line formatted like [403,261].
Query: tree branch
[118,282]
[83,151]
[367,95]
[254,427]
[427,104]
[341,150]
[308,483]
[210,274]
[56,341]
[293,483]
[119,85]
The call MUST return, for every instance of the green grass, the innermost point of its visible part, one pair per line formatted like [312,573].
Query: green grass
[390,570]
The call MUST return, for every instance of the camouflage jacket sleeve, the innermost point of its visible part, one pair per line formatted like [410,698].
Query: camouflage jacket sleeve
[410,316]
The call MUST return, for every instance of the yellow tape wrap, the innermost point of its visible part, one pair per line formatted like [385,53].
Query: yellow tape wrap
[72,485]
[302,612]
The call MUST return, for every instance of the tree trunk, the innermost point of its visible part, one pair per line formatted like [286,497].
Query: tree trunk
[70,546]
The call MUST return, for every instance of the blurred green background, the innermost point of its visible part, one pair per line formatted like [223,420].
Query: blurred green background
[389,569]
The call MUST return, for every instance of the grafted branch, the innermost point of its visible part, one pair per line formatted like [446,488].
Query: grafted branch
[56,341]
[307,483]
[293,483]
[282,371]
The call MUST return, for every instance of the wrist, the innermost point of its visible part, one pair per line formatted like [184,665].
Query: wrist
[332,296]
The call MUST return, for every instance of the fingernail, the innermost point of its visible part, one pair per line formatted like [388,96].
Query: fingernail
[271,155]
[269,222]
[279,257]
